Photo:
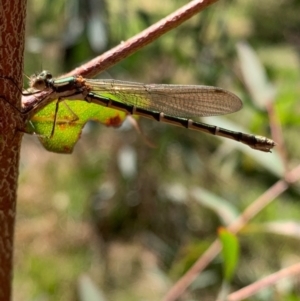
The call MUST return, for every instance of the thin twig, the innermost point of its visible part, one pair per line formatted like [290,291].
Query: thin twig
[125,49]
[265,199]
[255,287]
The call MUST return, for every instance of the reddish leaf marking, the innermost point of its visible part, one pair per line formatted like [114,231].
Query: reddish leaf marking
[114,121]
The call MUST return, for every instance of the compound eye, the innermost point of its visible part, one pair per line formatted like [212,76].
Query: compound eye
[45,74]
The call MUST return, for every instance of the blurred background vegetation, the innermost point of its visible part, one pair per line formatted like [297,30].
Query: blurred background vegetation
[133,218]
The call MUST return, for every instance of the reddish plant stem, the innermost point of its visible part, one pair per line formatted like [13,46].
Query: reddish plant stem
[125,49]
[255,287]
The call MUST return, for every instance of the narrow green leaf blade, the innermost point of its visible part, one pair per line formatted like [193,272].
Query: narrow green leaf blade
[225,210]
[255,77]
[230,252]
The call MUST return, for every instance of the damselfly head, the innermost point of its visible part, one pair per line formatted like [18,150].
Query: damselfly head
[40,81]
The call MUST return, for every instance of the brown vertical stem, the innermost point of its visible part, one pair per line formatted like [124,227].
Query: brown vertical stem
[12,32]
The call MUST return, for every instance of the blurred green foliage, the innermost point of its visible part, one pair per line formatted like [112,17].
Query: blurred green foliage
[130,215]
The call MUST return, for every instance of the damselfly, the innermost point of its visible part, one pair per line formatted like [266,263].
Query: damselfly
[174,104]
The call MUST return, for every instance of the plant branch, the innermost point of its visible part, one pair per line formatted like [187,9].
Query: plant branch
[125,49]
[255,287]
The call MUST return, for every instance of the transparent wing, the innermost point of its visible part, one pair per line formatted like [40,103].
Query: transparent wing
[175,100]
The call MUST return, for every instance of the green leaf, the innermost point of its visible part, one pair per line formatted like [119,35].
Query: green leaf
[71,117]
[255,77]
[226,211]
[230,252]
